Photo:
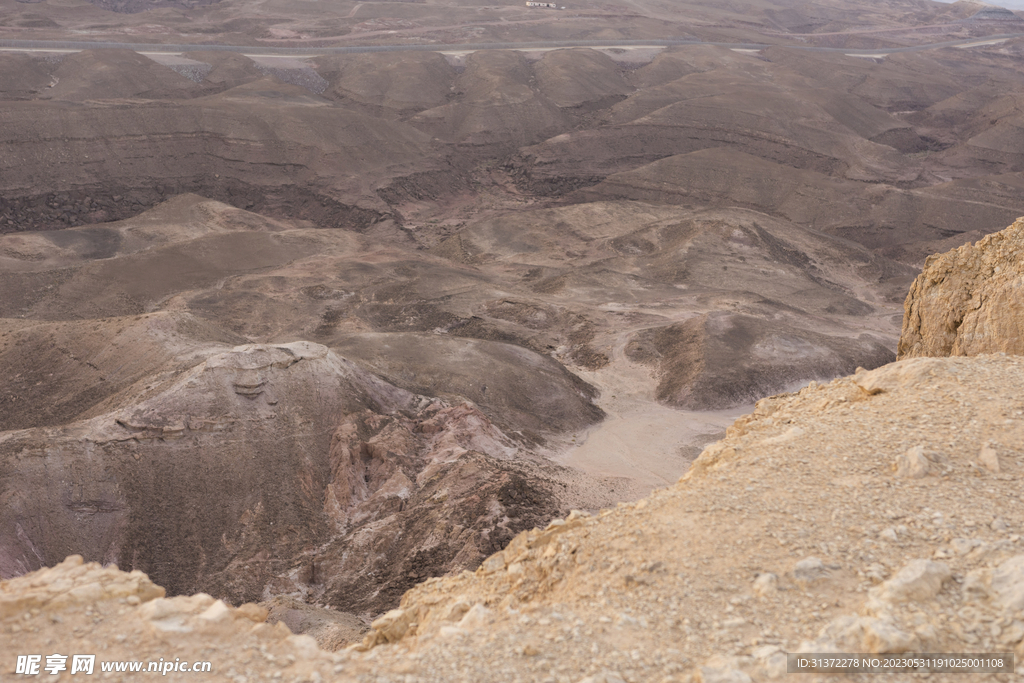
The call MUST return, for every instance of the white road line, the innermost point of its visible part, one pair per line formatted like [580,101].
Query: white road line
[984,42]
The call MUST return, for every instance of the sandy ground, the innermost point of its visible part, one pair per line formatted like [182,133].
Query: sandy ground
[641,439]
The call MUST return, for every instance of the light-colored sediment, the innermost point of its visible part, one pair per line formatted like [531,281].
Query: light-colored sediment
[640,439]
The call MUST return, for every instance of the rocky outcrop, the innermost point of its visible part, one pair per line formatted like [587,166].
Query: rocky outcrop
[122,617]
[795,533]
[721,360]
[267,470]
[969,301]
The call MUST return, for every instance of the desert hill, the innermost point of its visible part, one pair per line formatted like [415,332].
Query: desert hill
[508,279]
[354,463]
[395,83]
[310,329]
[852,516]
[809,528]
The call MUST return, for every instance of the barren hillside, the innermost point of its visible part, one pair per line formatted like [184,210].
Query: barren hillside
[289,323]
[878,512]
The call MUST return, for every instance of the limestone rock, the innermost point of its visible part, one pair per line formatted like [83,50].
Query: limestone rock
[390,627]
[912,464]
[475,618]
[76,606]
[919,580]
[989,459]
[1008,584]
[73,582]
[868,634]
[977,585]
[809,569]
[766,584]
[968,301]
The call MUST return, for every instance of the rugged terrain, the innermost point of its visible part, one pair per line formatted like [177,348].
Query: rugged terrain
[803,530]
[830,23]
[968,301]
[308,328]
[879,512]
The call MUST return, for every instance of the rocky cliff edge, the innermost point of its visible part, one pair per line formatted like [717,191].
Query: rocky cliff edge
[969,300]
[880,512]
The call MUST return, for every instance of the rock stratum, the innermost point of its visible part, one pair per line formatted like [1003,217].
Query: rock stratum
[969,301]
[879,512]
[310,332]
[274,469]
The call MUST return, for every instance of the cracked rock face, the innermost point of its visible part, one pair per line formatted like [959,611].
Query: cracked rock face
[269,469]
[969,301]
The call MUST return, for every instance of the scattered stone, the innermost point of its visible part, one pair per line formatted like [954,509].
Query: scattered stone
[912,464]
[919,580]
[989,459]
[1013,633]
[708,674]
[876,573]
[603,677]
[529,650]
[809,569]
[868,634]
[766,584]
[388,628]
[962,546]
[1008,585]
[477,617]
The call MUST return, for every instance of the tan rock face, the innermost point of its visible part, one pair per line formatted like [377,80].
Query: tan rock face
[77,608]
[969,301]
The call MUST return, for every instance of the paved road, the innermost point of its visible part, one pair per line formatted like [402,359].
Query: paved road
[263,51]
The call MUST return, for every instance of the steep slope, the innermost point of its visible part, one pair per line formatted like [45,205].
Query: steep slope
[904,477]
[969,301]
[877,513]
[721,360]
[272,469]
